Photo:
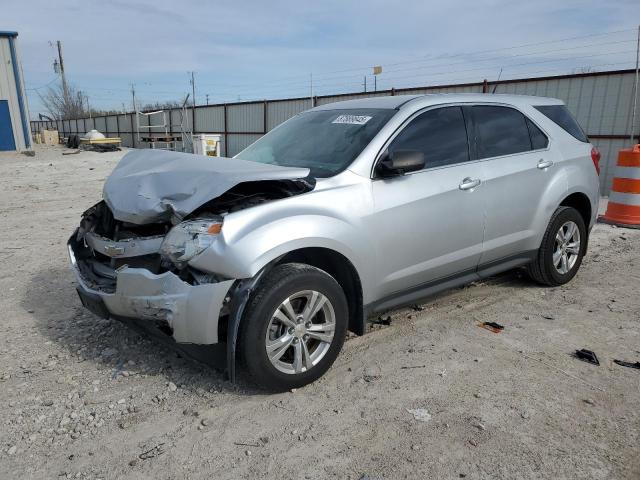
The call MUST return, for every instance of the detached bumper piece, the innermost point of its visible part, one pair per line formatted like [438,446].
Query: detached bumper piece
[190,311]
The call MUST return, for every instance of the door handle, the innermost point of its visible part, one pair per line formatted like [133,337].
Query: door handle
[468,183]
[542,164]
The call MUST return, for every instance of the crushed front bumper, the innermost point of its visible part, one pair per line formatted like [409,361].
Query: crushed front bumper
[191,311]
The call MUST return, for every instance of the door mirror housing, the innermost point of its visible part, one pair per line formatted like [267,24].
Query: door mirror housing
[400,162]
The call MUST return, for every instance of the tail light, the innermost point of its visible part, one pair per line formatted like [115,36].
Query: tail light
[595,156]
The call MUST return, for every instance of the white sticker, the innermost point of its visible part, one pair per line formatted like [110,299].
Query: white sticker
[352,119]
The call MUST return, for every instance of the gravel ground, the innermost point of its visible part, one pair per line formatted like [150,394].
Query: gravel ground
[431,396]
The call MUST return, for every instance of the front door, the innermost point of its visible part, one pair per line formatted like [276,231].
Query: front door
[428,225]
[7,142]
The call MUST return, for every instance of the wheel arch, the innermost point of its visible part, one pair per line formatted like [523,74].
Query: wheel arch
[342,270]
[326,259]
[580,201]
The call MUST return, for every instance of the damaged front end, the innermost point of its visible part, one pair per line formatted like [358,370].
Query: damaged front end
[131,252]
[122,273]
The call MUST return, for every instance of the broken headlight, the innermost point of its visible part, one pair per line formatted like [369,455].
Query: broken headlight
[188,239]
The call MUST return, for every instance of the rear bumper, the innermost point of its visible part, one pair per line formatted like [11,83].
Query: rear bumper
[191,311]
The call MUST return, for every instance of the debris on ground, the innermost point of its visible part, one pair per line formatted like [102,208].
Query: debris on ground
[492,326]
[155,451]
[99,147]
[420,414]
[587,356]
[622,363]
[382,320]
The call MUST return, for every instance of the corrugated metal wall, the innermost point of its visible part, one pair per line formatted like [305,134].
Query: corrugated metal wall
[9,92]
[600,101]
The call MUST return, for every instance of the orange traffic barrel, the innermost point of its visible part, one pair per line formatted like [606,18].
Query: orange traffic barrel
[623,208]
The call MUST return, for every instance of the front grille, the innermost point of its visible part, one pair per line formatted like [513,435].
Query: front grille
[99,219]
[99,270]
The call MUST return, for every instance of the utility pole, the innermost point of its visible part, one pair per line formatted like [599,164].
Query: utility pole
[635,90]
[311,89]
[207,99]
[365,84]
[193,100]
[133,97]
[65,89]
[193,88]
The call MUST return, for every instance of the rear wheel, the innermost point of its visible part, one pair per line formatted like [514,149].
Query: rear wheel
[294,327]
[562,248]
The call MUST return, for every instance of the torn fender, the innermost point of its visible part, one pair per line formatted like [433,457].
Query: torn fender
[151,186]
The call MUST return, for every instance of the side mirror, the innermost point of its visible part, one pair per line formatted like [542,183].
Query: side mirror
[401,162]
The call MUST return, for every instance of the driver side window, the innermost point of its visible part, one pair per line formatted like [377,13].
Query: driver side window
[440,134]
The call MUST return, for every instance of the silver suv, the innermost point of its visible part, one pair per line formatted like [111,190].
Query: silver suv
[343,211]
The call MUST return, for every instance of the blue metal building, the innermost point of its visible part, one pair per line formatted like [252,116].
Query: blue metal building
[14,113]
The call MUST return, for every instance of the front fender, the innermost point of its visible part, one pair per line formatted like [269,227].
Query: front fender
[244,252]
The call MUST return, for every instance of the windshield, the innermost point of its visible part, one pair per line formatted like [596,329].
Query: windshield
[325,141]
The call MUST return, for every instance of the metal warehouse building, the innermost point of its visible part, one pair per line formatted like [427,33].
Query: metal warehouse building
[601,101]
[14,115]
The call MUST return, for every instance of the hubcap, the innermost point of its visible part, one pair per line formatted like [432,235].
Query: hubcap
[567,247]
[300,332]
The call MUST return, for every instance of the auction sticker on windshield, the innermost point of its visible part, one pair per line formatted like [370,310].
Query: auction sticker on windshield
[352,119]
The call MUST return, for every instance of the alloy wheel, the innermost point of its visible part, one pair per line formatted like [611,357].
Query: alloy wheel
[300,332]
[567,247]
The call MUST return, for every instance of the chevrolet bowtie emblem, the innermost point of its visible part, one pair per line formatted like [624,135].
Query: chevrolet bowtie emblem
[113,250]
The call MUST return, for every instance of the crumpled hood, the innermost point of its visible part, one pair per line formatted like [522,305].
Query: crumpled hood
[150,186]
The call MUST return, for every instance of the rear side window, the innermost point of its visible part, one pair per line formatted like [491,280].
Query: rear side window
[538,139]
[500,131]
[560,115]
[440,134]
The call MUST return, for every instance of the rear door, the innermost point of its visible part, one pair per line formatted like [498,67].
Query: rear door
[428,225]
[518,167]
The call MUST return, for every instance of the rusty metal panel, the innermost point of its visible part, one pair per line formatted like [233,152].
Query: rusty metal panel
[245,117]
[112,125]
[278,112]
[176,115]
[343,98]
[238,142]
[210,119]
[101,124]
[127,139]
[609,149]
[125,123]
[620,107]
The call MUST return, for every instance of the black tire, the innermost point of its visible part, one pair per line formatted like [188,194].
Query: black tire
[542,269]
[280,283]
[73,141]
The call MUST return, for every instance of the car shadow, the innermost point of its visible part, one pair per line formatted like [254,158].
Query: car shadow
[122,347]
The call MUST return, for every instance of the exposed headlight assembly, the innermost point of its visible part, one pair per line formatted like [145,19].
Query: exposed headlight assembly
[188,239]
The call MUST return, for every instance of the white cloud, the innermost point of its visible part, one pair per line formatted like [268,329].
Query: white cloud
[245,48]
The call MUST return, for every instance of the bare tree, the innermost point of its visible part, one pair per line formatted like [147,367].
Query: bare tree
[165,105]
[64,105]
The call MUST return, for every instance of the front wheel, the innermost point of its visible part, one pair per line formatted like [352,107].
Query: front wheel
[294,326]
[562,248]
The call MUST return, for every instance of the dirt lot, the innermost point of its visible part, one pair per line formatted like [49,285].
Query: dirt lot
[88,398]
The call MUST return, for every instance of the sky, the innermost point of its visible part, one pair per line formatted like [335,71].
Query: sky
[244,50]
